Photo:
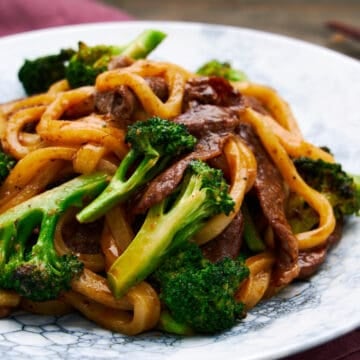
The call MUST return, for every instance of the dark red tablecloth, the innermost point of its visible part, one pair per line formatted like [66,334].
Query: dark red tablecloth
[24,15]
[346,347]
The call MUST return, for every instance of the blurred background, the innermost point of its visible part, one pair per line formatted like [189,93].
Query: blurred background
[302,19]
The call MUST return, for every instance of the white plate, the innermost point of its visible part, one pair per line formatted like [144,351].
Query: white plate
[323,89]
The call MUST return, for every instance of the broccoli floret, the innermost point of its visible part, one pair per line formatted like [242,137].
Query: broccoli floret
[37,75]
[29,263]
[205,299]
[201,194]
[153,144]
[90,61]
[168,324]
[251,234]
[187,256]
[225,70]
[341,189]
[7,162]
[301,217]
[199,295]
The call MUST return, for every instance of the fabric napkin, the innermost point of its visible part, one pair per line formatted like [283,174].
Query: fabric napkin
[24,15]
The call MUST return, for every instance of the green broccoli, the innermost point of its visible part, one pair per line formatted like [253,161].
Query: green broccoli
[29,263]
[251,234]
[90,61]
[225,70]
[300,215]
[341,189]
[82,66]
[37,75]
[201,194]
[168,324]
[198,294]
[146,42]
[153,144]
[187,256]
[7,162]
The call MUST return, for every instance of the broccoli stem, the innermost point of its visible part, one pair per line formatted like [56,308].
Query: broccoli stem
[154,143]
[119,188]
[90,61]
[160,233]
[36,271]
[168,324]
[7,237]
[251,234]
[44,249]
[146,42]
[356,179]
[17,223]
[56,200]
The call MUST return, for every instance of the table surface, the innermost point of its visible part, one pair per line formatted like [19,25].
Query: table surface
[302,19]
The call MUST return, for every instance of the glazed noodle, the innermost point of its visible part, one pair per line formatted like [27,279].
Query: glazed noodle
[61,133]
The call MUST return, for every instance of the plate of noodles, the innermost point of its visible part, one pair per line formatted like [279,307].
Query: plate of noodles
[213,146]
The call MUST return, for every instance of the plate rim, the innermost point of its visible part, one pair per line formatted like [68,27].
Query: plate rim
[174,24]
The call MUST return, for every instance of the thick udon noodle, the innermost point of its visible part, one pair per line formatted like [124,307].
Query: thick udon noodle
[85,143]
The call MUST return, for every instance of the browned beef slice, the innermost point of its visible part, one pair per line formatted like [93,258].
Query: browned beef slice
[208,147]
[83,238]
[118,104]
[159,86]
[270,192]
[121,103]
[204,118]
[226,244]
[210,90]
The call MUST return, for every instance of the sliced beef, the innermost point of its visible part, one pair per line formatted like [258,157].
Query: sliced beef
[202,119]
[228,243]
[311,260]
[210,90]
[120,104]
[220,162]
[269,189]
[159,86]
[162,186]
[83,238]
[208,147]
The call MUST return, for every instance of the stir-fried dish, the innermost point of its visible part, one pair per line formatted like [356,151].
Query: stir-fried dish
[147,196]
